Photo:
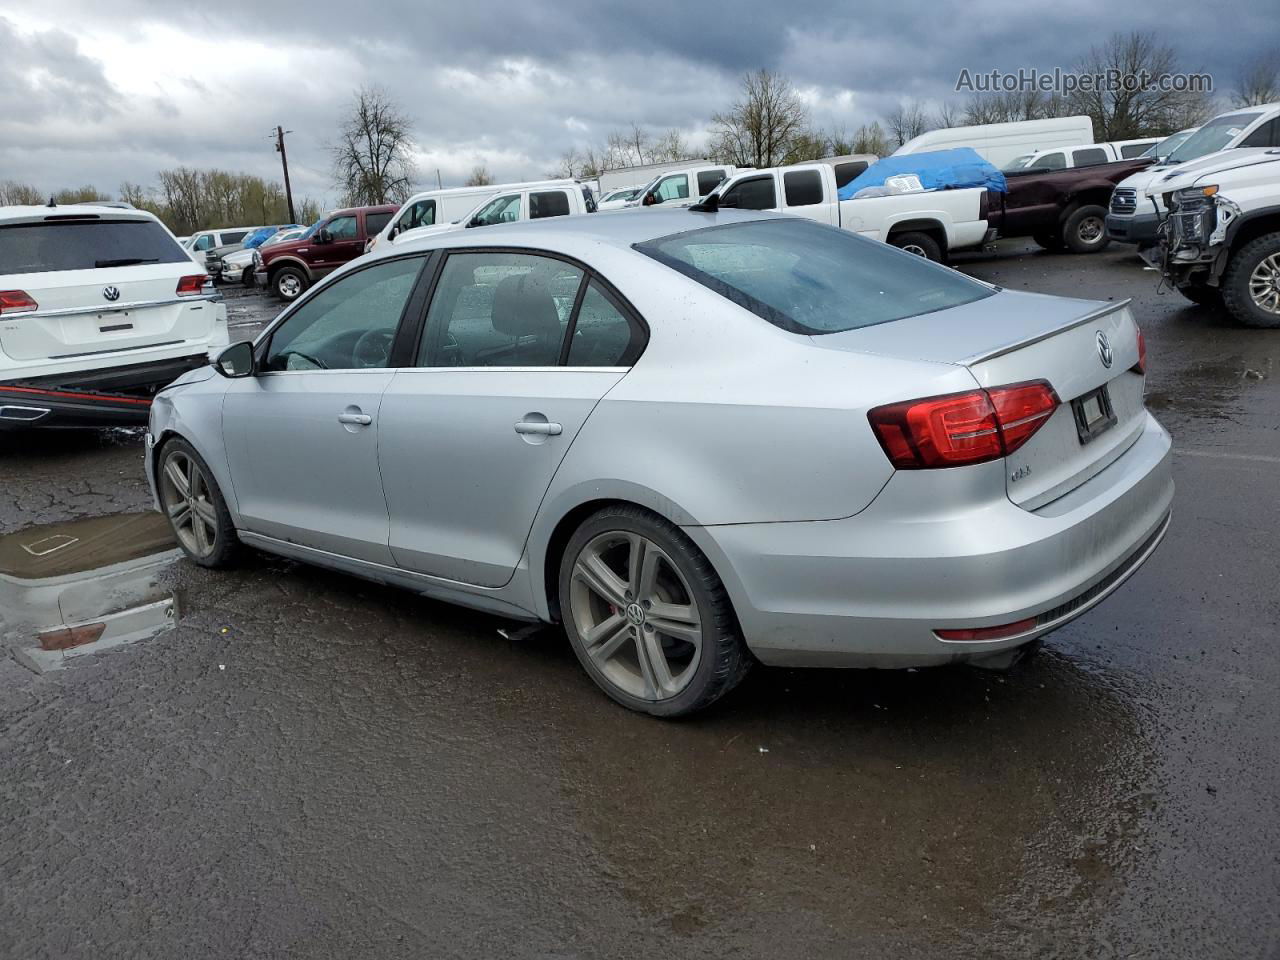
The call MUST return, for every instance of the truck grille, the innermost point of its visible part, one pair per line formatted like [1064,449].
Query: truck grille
[1124,201]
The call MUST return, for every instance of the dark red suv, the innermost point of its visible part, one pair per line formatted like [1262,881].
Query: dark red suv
[289,268]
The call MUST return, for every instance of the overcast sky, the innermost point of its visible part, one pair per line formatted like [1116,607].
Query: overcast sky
[101,92]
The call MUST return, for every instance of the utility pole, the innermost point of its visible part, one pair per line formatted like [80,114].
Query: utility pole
[284,161]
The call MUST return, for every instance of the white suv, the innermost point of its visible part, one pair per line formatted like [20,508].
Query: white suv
[99,308]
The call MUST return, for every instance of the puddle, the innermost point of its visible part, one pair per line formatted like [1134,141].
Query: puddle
[83,586]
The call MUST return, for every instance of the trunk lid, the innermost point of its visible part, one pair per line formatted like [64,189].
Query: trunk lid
[1016,337]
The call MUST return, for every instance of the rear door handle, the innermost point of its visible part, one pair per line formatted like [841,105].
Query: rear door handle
[539,428]
[362,419]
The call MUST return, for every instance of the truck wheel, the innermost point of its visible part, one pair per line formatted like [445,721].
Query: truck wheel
[921,244]
[1251,283]
[287,283]
[1202,295]
[1086,230]
[1047,240]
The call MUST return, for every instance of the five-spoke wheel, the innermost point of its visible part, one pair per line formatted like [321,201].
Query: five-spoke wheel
[193,503]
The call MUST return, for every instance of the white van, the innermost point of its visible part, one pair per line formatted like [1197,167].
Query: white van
[999,143]
[1082,155]
[434,207]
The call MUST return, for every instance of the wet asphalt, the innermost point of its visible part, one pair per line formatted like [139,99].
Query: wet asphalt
[312,766]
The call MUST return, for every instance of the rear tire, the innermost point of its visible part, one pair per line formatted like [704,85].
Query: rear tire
[194,505]
[288,283]
[1048,241]
[1086,230]
[1251,283]
[647,616]
[921,244]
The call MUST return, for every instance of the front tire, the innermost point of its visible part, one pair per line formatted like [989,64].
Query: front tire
[1202,295]
[288,283]
[921,244]
[1251,283]
[647,616]
[197,512]
[1086,230]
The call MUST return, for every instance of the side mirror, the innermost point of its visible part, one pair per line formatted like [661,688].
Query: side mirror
[473,222]
[393,232]
[322,236]
[236,361]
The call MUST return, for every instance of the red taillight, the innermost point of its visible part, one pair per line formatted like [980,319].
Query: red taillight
[1001,632]
[191,284]
[11,301]
[1141,365]
[962,428]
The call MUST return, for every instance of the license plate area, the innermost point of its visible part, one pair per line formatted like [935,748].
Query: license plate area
[1094,414]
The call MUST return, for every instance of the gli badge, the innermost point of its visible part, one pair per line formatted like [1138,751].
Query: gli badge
[113,294]
[1104,350]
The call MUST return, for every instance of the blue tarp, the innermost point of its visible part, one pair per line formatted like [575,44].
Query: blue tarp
[937,170]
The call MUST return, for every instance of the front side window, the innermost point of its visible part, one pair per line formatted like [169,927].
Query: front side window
[203,243]
[552,203]
[1050,161]
[505,209]
[420,214]
[673,188]
[602,334]
[374,222]
[48,246]
[348,325]
[1267,135]
[809,278]
[343,228]
[498,309]
[803,187]
[1089,157]
[754,194]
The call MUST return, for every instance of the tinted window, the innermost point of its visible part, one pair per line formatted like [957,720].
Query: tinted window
[811,279]
[553,203]
[505,209]
[421,214]
[802,187]
[602,334]
[64,245]
[754,194]
[848,171]
[349,324]
[342,228]
[708,180]
[1131,150]
[1213,136]
[499,310]
[232,236]
[374,222]
[1050,161]
[673,188]
[1267,135]
[1089,157]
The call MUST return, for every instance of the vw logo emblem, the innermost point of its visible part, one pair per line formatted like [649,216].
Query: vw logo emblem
[111,293]
[635,613]
[1104,350]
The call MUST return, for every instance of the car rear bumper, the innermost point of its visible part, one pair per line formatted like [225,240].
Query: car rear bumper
[1139,228]
[871,590]
[108,397]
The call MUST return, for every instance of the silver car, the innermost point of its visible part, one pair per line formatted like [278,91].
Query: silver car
[697,439]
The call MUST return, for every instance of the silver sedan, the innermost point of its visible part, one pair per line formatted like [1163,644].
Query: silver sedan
[696,439]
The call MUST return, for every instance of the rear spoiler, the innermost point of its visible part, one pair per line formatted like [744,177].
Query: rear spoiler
[1090,317]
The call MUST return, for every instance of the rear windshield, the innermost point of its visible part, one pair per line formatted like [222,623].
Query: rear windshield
[812,279]
[48,246]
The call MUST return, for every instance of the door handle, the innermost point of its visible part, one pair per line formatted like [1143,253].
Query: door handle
[361,419]
[539,428]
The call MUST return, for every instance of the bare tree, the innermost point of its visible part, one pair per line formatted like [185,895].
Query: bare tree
[907,120]
[373,155]
[759,129]
[13,193]
[947,114]
[1121,111]
[808,145]
[870,138]
[480,176]
[669,147]
[1258,81]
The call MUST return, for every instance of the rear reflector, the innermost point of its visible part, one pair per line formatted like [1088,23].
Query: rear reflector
[192,284]
[64,638]
[1141,365]
[13,301]
[962,428]
[973,634]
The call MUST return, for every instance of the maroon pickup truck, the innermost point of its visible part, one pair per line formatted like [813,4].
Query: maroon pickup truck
[289,268]
[1059,208]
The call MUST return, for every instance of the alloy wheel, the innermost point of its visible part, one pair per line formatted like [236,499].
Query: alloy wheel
[184,492]
[915,248]
[636,616]
[1264,284]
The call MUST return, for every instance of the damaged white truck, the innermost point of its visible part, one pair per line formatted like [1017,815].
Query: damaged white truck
[1220,243]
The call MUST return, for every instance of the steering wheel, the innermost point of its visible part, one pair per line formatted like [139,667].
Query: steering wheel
[373,349]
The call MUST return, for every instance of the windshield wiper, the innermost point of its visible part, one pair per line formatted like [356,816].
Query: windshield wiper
[124,262]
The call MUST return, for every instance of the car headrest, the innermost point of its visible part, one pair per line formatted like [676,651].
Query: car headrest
[523,306]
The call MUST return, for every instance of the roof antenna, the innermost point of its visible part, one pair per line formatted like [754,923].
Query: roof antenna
[52,202]
[708,204]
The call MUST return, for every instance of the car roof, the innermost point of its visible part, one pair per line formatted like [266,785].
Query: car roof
[376,208]
[31,214]
[617,228]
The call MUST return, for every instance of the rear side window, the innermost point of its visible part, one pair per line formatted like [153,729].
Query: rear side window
[810,279]
[1089,157]
[1050,161]
[374,222]
[49,246]
[754,194]
[553,203]
[232,236]
[708,180]
[1131,150]
[802,187]
[1267,135]
[846,172]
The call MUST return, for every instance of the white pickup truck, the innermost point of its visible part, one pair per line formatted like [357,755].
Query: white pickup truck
[930,223]
[549,198]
